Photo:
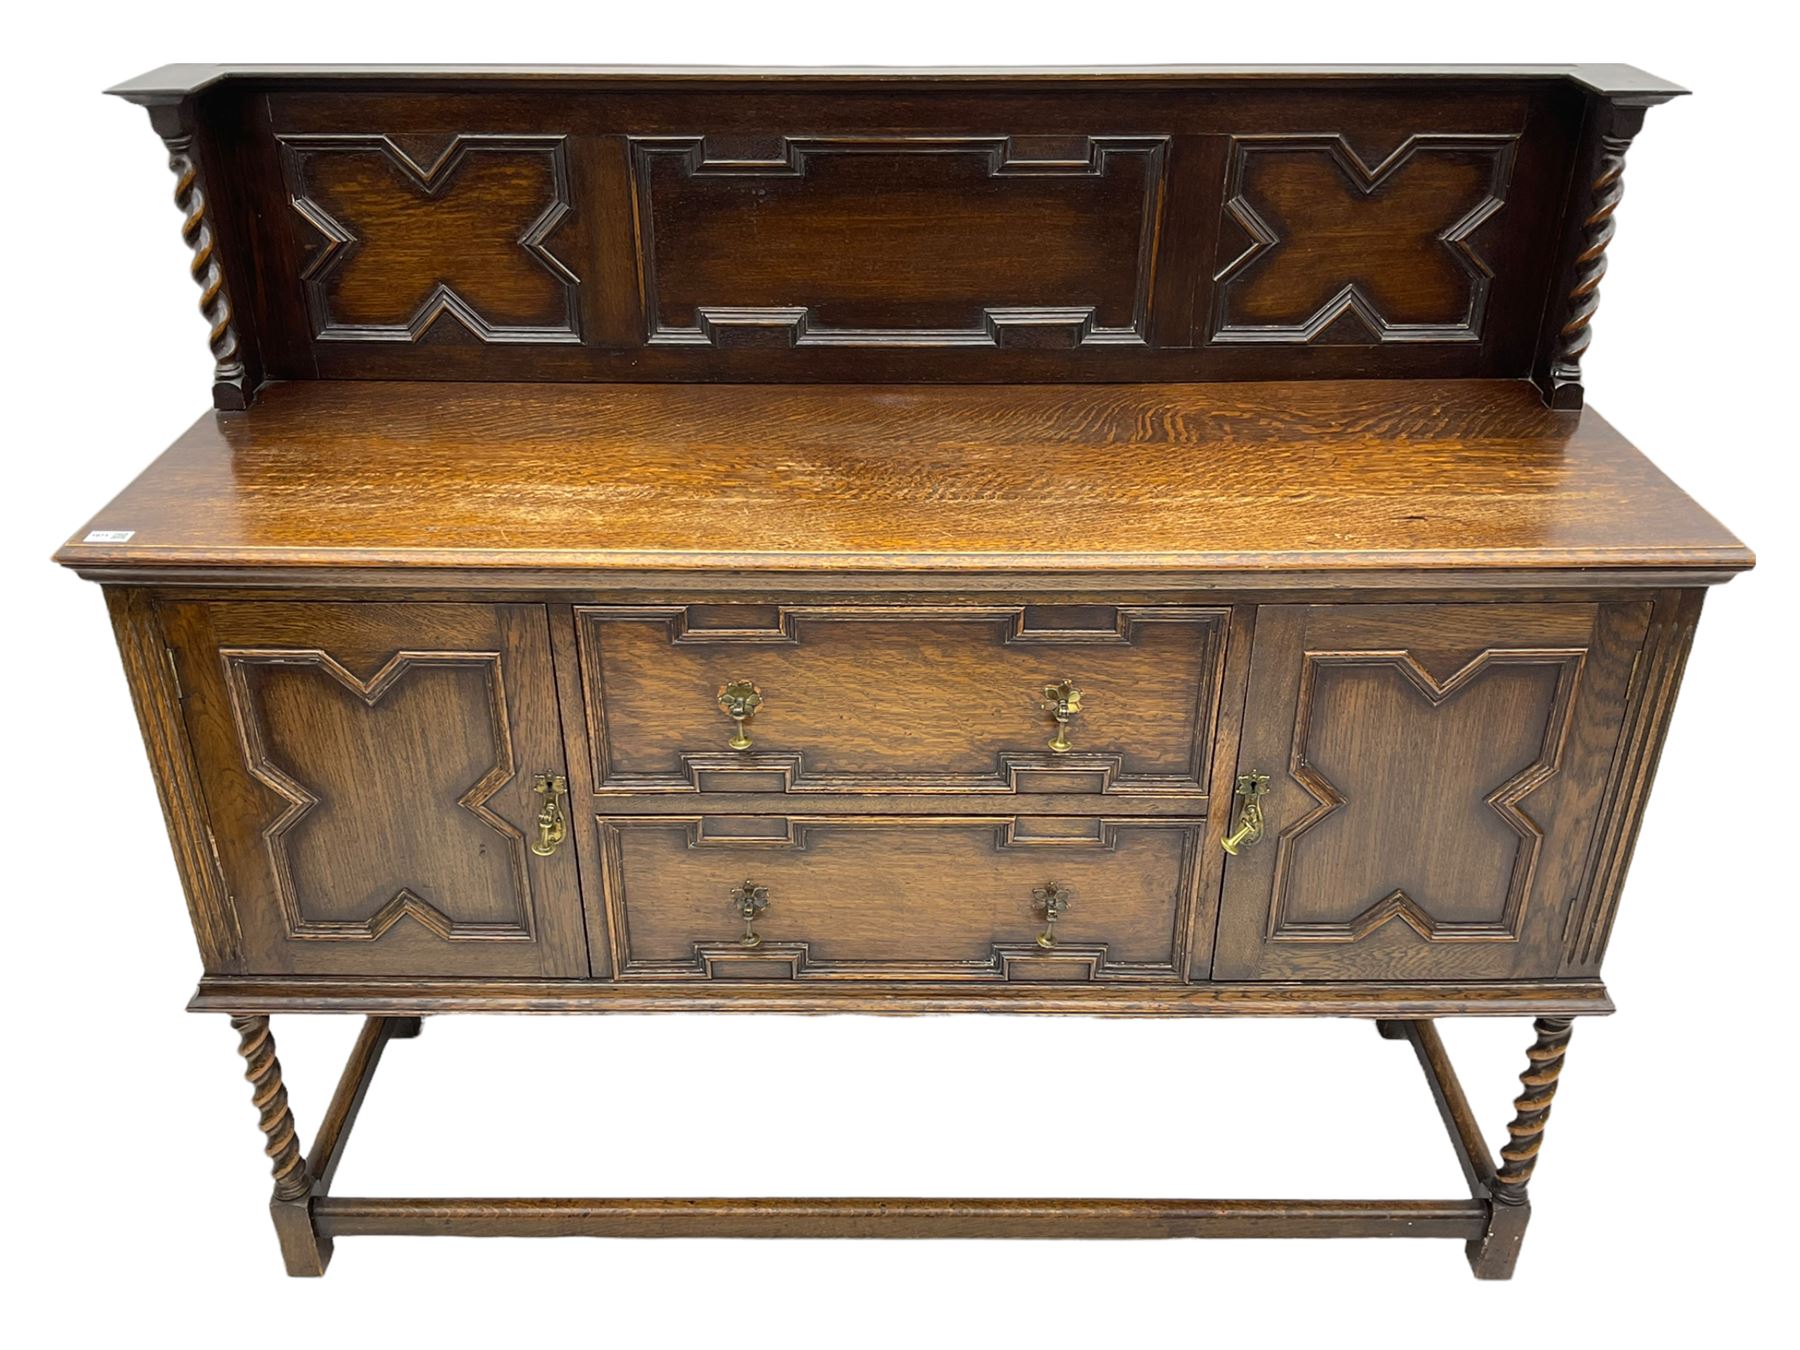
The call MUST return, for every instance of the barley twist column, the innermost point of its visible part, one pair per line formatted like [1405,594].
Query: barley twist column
[257,1045]
[1518,1159]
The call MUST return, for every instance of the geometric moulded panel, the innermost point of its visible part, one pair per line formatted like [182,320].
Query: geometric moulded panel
[458,230]
[898,241]
[385,785]
[1401,766]
[1319,246]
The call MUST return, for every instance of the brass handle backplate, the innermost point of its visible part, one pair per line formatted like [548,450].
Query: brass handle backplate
[1251,787]
[739,700]
[1061,701]
[552,824]
[750,900]
[1053,899]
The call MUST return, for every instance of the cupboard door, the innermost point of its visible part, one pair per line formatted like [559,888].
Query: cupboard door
[1434,774]
[369,773]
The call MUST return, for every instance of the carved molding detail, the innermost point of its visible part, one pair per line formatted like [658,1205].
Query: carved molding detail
[300,802]
[1604,193]
[1351,299]
[785,772]
[1531,1108]
[263,1070]
[1656,679]
[1021,960]
[1011,962]
[433,180]
[230,380]
[1504,800]
[1049,327]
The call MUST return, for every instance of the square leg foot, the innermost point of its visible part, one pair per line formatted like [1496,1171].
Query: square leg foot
[1493,1255]
[303,1251]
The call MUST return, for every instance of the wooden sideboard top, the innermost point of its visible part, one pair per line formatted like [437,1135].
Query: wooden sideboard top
[174,81]
[1412,483]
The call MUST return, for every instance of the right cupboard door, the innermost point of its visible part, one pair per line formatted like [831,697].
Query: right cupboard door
[1434,777]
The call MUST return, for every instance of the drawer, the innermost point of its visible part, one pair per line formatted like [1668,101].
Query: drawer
[898,898]
[886,700]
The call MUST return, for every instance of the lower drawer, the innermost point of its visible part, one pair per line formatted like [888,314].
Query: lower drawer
[898,898]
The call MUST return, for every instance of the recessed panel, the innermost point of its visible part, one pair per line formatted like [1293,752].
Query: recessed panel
[928,241]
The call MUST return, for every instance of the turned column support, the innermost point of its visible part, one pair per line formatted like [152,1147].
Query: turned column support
[1502,1189]
[256,1043]
[174,121]
[1493,1255]
[302,1249]
[300,1183]
[1518,1158]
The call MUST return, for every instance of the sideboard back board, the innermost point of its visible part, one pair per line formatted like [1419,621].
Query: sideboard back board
[1184,224]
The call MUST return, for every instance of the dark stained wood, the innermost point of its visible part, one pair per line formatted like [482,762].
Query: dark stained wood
[1366,481]
[889,700]
[1433,775]
[1446,1090]
[903,1218]
[397,241]
[346,1103]
[1266,998]
[978,241]
[561,402]
[182,79]
[368,772]
[156,692]
[571,223]
[899,897]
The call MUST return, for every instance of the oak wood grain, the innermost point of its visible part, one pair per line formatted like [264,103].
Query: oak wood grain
[496,482]
[1223,998]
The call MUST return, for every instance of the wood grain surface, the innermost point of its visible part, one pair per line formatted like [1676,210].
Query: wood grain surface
[1363,478]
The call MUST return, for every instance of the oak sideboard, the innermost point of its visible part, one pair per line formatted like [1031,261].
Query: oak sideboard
[1116,542]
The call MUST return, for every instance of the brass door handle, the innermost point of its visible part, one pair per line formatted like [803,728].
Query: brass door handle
[739,701]
[1251,787]
[750,900]
[552,824]
[1061,701]
[1053,900]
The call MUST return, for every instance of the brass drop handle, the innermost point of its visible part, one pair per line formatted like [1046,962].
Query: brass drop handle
[1251,787]
[750,900]
[1061,701]
[1053,900]
[552,824]
[740,699]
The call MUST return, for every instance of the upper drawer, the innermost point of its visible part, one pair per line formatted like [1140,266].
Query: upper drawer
[859,699]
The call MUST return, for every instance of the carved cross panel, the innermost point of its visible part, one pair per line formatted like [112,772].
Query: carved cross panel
[386,784]
[1433,783]
[1320,246]
[461,233]
[1400,764]
[369,772]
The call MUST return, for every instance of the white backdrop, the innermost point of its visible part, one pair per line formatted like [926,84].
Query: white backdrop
[135,1186]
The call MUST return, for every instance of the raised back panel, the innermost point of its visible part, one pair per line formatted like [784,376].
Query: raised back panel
[898,242]
[1212,225]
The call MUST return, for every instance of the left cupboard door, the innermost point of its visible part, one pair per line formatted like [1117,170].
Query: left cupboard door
[376,777]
